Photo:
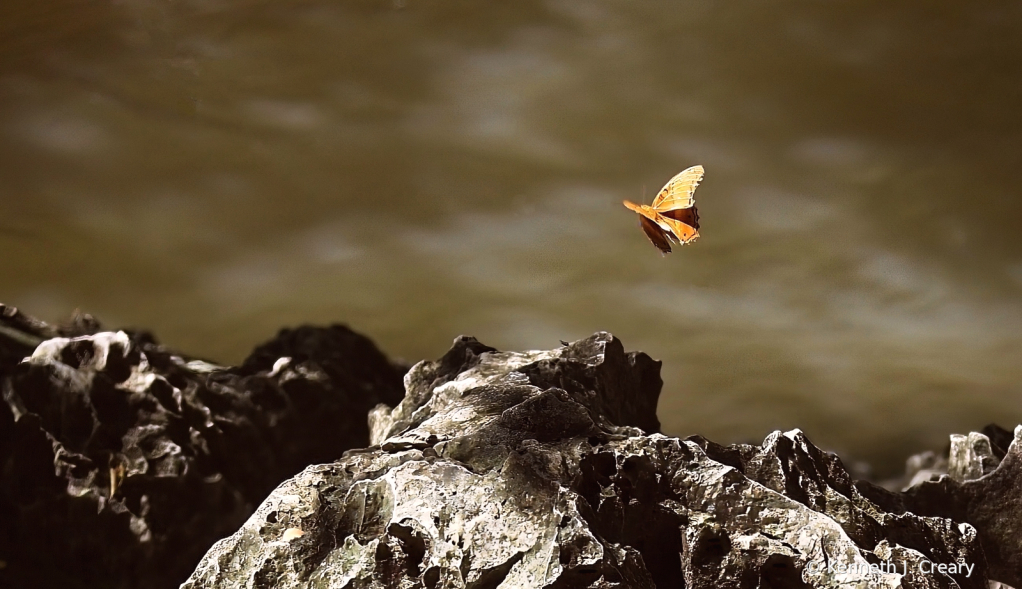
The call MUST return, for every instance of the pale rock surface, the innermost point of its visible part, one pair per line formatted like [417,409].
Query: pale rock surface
[545,469]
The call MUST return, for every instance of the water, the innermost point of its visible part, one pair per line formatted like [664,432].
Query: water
[417,169]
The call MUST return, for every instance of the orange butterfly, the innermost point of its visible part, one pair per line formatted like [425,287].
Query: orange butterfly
[673,215]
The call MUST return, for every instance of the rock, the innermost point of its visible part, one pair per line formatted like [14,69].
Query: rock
[971,457]
[981,486]
[544,469]
[21,333]
[122,462]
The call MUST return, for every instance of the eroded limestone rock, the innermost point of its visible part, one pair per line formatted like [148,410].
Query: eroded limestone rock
[978,482]
[122,462]
[544,469]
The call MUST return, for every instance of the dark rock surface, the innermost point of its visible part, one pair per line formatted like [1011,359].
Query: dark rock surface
[544,469]
[121,462]
[979,482]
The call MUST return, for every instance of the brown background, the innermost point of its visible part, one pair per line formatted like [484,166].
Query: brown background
[214,171]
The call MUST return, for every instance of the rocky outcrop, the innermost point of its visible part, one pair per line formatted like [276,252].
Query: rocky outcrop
[121,462]
[979,482]
[544,469]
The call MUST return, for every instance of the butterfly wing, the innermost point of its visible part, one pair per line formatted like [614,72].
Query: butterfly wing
[680,231]
[657,231]
[634,207]
[657,236]
[689,216]
[679,193]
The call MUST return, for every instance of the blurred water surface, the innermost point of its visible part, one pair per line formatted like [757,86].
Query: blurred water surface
[215,170]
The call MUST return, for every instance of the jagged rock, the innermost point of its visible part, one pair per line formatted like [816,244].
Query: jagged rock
[965,458]
[977,481]
[21,333]
[122,462]
[543,469]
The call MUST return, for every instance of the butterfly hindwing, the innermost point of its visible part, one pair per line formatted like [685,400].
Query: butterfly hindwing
[687,216]
[682,232]
[657,236]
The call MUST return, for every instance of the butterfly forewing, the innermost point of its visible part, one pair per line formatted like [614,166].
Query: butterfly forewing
[634,207]
[679,192]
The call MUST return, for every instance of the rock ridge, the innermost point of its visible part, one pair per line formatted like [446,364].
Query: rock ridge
[503,469]
[121,462]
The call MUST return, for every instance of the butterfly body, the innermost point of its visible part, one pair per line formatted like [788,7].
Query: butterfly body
[673,215]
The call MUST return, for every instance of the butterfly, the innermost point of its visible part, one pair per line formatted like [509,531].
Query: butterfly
[673,215]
